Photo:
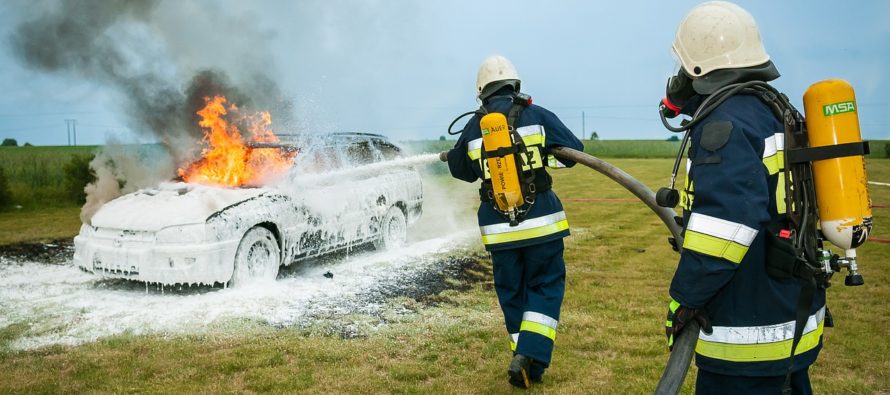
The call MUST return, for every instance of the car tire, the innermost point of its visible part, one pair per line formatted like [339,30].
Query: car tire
[393,230]
[257,258]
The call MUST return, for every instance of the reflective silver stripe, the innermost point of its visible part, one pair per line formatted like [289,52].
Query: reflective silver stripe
[530,130]
[474,144]
[524,225]
[523,131]
[761,334]
[514,337]
[540,318]
[769,146]
[780,141]
[555,163]
[721,228]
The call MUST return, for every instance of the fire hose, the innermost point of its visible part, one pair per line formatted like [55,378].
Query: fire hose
[684,345]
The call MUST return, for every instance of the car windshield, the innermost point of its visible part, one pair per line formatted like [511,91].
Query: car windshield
[335,152]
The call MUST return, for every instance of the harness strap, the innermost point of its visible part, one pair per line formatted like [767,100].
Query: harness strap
[804,301]
[542,183]
[801,155]
[503,151]
[532,181]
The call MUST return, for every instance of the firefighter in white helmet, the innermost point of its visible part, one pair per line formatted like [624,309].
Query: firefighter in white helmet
[527,254]
[734,195]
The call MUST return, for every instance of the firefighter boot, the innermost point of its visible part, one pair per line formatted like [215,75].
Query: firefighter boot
[536,372]
[518,371]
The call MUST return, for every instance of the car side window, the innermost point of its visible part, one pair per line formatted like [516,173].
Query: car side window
[389,151]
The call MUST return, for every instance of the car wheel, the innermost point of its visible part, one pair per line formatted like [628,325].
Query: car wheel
[393,230]
[258,257]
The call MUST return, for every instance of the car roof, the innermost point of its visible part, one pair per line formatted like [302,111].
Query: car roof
[299,140]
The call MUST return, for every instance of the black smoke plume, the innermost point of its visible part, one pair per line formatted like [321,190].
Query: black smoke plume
[114,43]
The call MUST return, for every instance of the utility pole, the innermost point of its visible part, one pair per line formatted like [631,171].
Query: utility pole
[72,130]
[583,125]
[68,127]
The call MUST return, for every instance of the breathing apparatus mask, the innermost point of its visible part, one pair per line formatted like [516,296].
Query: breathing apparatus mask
[677,93]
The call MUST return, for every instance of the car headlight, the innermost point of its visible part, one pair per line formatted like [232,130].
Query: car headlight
[182,234]
[87,230]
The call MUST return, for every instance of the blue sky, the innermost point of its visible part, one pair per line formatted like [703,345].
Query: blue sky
[405,68]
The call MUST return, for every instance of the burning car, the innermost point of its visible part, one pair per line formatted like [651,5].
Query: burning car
[186,232]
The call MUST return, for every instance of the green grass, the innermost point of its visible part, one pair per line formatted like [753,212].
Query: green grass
[36,175]
[632,148]
[599,148]
[33,225]
[610,339]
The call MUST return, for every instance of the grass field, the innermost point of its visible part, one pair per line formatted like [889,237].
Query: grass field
[599,148]
[610,334]
[37,180]
[36,175]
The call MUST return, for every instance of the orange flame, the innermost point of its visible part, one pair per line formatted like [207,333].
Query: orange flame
[228,160]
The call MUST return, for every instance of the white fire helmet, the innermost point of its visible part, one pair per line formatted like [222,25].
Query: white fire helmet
[495,68]
[718,35]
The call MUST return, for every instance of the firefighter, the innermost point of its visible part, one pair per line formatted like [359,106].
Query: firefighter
[734,191]
[529,270]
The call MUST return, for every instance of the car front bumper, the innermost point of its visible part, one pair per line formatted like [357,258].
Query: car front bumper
[202,263]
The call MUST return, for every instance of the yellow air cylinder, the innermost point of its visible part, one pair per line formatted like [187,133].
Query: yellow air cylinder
[504,176]
[841,183]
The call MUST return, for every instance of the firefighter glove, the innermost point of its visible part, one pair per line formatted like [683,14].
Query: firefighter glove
[678,316]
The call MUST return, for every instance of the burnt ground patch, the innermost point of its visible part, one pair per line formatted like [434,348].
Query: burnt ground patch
[358,315]
[458,273]
[55,252]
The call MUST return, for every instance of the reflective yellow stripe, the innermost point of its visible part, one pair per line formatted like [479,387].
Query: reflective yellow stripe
[475,154]
[687,196]
[674,306]
[713,246]
[541,329]
[526,234]
[534,139]
[554,163]
[514,338]
[535,161]
[759,352]
[772,164]
[780,194]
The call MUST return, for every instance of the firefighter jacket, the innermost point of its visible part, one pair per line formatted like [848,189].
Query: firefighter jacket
[734,188]
[540,130]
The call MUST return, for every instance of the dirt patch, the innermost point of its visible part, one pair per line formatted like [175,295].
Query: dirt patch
[459,273]
[55,252]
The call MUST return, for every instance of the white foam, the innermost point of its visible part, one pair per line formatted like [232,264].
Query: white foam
[61,305]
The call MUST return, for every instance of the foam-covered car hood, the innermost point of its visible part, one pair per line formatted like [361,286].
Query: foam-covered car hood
[169,204]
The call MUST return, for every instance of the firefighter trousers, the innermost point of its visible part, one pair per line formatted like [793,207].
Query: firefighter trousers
[713,383]
[530,284]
